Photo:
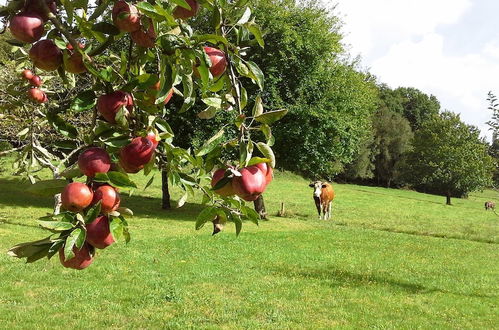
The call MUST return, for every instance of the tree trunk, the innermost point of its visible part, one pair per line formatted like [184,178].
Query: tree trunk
[166,191]
[260,207]
[448,199]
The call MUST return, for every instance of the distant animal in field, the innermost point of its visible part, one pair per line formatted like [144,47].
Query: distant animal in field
[489,205]
[323,197]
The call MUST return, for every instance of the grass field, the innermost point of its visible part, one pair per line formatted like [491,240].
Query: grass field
[388,259]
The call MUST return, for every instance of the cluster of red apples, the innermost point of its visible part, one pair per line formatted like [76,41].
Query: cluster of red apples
[78,197]
[34,93]
[249,185]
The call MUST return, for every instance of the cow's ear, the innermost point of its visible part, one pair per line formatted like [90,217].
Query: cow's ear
[311,185]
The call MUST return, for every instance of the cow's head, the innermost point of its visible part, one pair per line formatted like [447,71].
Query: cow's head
[317,185]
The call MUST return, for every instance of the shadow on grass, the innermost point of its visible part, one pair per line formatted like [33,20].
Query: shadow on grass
[339,278]
[151,207]
[13,194]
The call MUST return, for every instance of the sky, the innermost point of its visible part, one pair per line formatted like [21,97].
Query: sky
[448,48]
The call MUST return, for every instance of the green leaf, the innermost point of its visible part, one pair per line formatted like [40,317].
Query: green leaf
[41,253]
[149,183]
[245,18]
[93,212]
[238,222]
[211,143]
[25,250]
[124,211]
[182,201]
[271,116]
[116,227]
[56,226]
[106,28]
[251,214]
[208,214]
[208,113]
[68,247]
[117,179]
[78,235]
[62,126]
[256,31]
[258,160]
[267,152]
[258,107]
[84,101]
[55,247]
[214,102]
[47,188]
[257,73]
[212,38]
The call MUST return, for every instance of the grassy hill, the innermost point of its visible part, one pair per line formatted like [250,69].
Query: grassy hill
[389,258]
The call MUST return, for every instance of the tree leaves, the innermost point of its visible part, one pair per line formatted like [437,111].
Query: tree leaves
[84,101]
[116,179]
[271,116]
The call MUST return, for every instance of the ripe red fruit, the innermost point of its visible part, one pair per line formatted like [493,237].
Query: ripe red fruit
[226,190]
[183,13]
[36,81]
[267,171]
[74,62]
[34,6]
[94,160]
[27,74]
[152,94]
[218,61]
[27,27]
[82,259]
[108,105]
[135,155]
[143,38]
[46,55]
[76,196]
[153,138]
[99,234]
[109,196]
[126,16]
[37,95]
[251,184]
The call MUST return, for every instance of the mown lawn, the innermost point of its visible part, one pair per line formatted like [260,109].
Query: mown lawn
[390,258]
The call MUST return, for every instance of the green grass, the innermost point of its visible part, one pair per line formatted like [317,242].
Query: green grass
[390,258]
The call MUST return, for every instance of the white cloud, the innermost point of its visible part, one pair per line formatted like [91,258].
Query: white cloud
[460,82]
[370,24]
[402,43]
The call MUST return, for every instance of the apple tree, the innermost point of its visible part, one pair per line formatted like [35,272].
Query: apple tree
[113,66]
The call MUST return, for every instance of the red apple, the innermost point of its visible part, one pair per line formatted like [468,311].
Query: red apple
[76,196]
[143,38]
[218,61]
[36,81]
[183,13]
[152,94]
[94,160]
[251,184]
[126,16]
[109,196]
[153,138]
[27,27]
[37,95]
[46,55]
[27,74]
[267,171]
[135,155]
[108,105]
[34,6]
[82,259]
[226,190]
[98,233]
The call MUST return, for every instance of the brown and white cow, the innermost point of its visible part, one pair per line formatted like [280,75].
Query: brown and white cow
[489,205]
[323,197]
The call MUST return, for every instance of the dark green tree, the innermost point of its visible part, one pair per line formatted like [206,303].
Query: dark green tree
[449,158]
[417,106]
[392,140]
[494,127]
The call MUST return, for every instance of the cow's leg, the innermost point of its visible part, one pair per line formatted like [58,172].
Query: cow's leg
[330,209]
[318,206]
